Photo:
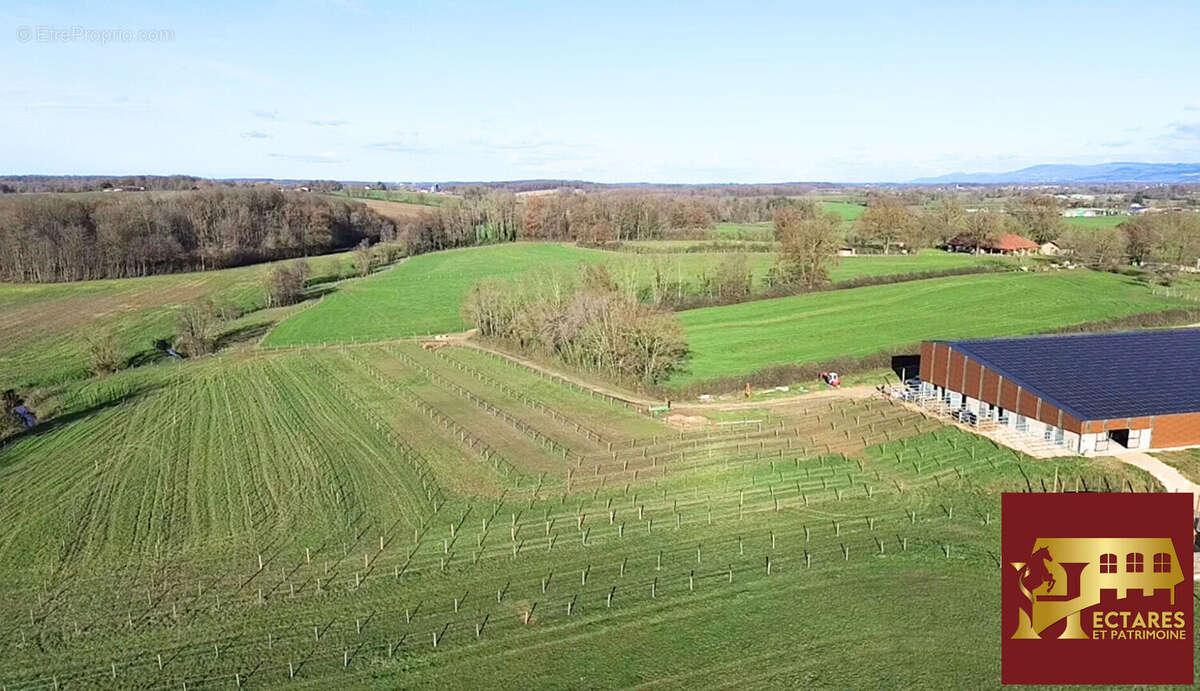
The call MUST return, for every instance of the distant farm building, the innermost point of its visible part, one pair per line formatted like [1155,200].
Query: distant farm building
[846,252]
[1087,392]
[1050,249]
[1088,212]
[1004,244]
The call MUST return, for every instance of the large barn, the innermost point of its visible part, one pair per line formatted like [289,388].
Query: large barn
[1088,392]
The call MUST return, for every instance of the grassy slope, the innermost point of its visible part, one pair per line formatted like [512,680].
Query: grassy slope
[420,296]
[1186,462]
[743,338]
[146,517]
[423,295]
[43,339]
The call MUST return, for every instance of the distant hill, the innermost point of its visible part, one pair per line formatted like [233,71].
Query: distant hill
[1074,174]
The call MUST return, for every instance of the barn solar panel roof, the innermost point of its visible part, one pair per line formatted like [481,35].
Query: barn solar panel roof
[1100,376]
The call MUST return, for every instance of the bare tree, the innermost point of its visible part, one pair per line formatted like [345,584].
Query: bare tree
[364,261]
[1100,248]
[198,328]
[286,284]
[732,278]
[943,221]
[807,246]
[586,322]
[887,221]
[983,228]
[1040,217]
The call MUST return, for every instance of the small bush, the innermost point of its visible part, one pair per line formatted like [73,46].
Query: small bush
[286,284]
[199,327]
[104,353]
[364,258]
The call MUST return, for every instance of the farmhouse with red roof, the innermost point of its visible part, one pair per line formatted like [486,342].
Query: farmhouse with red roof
[1004,244]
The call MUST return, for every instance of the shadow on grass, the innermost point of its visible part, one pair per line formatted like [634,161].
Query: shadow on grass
[244,334]
[149,356]
[48,426]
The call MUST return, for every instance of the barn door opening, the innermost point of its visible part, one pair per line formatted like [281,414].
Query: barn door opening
[1120,436]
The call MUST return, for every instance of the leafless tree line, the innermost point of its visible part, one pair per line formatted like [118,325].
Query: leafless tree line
[497,216]
[1169,237]
[1165,241]
[61,238]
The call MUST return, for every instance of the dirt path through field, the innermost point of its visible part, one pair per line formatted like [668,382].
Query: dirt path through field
[846,393]
[1171,479]
[857,393]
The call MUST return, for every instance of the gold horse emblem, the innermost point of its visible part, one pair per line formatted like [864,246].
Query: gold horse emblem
[1064,576]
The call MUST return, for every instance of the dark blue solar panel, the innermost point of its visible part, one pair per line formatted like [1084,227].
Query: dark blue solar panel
[1101,376]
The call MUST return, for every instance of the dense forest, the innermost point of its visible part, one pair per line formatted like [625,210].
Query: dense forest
[490,216]
[66,238]
[16,184]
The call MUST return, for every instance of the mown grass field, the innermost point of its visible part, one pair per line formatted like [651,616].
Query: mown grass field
[392,517]
[423,295]
[739,339]
[44,327]
[849,211]
[1095,221]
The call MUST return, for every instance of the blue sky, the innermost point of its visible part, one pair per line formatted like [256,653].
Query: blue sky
[606,91]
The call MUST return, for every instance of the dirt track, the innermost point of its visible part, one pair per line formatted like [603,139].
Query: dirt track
[861,392]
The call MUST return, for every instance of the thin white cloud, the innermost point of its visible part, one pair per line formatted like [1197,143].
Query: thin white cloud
[255,134]
[405,143]
[266,114]
[310,158]
[60,99]
[1186,131]
[327,123]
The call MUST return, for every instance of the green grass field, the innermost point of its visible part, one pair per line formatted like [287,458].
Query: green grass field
[739,339]
[402,196]
[750,232]
[391,517]
[711,245]
[423,295]
[849,211]
[45,326]
[1095,221]
[1186,462]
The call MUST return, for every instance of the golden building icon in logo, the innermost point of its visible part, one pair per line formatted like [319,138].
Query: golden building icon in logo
[1065,576]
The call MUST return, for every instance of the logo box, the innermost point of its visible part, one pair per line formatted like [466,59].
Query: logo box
[1096,588]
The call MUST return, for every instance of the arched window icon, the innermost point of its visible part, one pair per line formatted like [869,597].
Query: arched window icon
[1108,563]
[1133,562]
[1162,563]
